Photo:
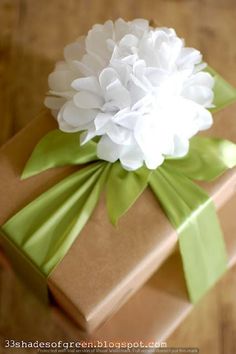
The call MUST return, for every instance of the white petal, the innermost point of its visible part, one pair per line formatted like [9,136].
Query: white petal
[109,27]
[153,160]
[131,157]
[189,57]
[141,104]
[199,94]
[136,95]
[204,119]
[60,80]
[181,146]
[108,150]
[88,135]
[54,103]
[88,100]
[127,120]
[118,94]
[84,69]
[131,165]
[93,62]
[143,84]
[63,125]
[139,68]
[140,26]
[102,119]
[118,134]
[152,136]
[62,65]
[96,43]
[74,51]
[106,77]
[77,116]
[89,83]
[182,116]
[199,67]
[129,59]
[67,128]
[129,40]
[199,89]
[62,94]
[121,29]
[202,79]
[156,76]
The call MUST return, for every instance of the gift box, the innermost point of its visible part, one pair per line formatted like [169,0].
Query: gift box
[106,264]
[160,306]
[150,316]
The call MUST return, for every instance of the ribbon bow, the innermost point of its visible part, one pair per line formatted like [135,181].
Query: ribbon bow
[58,215]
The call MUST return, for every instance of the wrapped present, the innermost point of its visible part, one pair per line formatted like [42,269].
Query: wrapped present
[157,309]
[91,222]
[149,317]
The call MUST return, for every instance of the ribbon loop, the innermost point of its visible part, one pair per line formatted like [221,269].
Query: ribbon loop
[123,188]
[57,149]
[207,159]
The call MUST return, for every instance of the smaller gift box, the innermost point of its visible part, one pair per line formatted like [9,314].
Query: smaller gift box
[150,316]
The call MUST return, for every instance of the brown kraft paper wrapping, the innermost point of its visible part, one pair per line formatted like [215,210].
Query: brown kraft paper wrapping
[105,265]
[151,315]
[159,307]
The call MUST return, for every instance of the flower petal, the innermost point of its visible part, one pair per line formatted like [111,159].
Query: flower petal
[204,119]
[54,103]
[107,150]
[118,134]
[88,100]
[118,94]
[88,135]
[83,68]
[77,117]
[60,80]
[121,28]
[106,77]
[102,119]
[96,42]
[202,79]
[131,157]
[89,83]
[140,26]
[63,125]
[199,94]
[127,120]
[181,146]
[94,62]
[153,160]
[75,51]
[128,40]
[188,58]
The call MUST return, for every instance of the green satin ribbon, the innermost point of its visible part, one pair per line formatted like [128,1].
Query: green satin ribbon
[59,214]
[193,215]
[57,217]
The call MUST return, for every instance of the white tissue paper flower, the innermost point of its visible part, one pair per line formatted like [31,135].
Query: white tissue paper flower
[137,88]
